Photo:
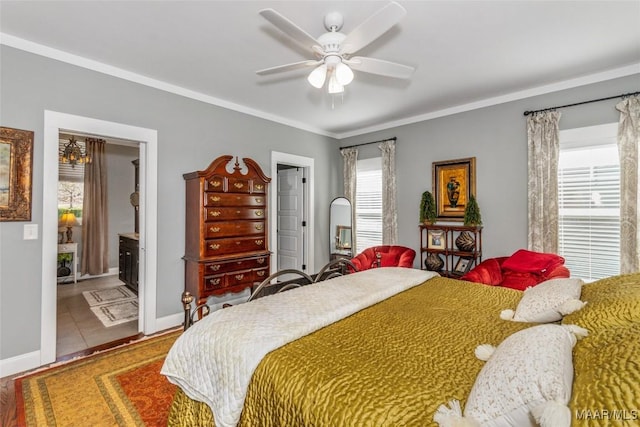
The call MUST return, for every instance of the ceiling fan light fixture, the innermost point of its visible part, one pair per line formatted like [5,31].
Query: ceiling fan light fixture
[318,76]
[343,73]
[334,87]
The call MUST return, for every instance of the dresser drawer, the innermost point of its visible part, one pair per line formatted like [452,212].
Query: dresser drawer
[216,247]
[215,230]
[215,183]
[239,185]
[228,199]
[242,264]
[234,278]
[212,283]
[215,214]
[259,187]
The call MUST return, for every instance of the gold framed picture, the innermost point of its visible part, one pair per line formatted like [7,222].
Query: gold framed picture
[454,181]
[16,159]
[436,239]
[462,266]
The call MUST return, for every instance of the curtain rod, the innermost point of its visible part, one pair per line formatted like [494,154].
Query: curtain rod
[624,95]
[367,143]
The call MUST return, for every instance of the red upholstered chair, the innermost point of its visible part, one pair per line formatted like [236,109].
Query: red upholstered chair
[519,271]
[384,256]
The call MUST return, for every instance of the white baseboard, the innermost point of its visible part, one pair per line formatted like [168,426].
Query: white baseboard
[19,363]
[29,361]
[169,322]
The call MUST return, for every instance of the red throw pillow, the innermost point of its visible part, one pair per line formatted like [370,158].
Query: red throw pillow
[487,272]
[529,262]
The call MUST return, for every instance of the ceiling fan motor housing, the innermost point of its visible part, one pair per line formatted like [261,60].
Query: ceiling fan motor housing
[331,42]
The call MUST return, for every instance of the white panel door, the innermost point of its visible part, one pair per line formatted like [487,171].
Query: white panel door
[290,217]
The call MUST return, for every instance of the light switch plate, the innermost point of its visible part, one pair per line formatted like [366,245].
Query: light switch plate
[30,232]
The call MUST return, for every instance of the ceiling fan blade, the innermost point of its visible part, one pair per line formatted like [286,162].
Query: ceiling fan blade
[380,66]
[289,67]
[289,28]
[375,26]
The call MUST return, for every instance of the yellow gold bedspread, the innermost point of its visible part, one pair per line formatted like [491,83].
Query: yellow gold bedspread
[391,364]
[606,386]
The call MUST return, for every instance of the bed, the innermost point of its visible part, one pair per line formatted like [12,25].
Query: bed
[396,361]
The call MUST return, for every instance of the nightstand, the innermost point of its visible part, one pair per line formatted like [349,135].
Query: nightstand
[71,248]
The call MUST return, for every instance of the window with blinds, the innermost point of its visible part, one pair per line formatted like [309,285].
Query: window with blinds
[368,204]
[589,201]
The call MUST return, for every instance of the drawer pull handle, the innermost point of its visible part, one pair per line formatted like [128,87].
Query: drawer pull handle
[215,282]
[259,186]
[260,273]
[259,227]
[215,198]
[215,267]
[214,229]
[259,242]
[259,213]
[214,246]
[261,260]
[259,200]
[238,185]
[214,213]
[239,276]
[215,183]
[237,243]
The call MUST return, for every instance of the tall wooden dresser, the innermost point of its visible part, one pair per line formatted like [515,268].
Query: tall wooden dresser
[226,247]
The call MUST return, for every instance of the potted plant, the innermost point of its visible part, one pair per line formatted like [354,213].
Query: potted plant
[472,215]
[428,213]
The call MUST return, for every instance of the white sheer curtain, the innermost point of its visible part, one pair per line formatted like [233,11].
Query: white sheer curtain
[543,136]
[350,172]
[628,143]
[389,205]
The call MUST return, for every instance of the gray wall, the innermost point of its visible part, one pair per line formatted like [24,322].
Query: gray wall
[497,137]
[190,135]
[120,185]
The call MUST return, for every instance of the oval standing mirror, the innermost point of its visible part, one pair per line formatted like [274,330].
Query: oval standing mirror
[340,237]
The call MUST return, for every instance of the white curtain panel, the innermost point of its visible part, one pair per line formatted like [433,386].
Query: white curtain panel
[350,156]
[543,136]
[389,205]
[628,143]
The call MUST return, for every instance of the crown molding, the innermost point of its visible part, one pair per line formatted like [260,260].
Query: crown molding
[513,96]
[59,55]
[100,67]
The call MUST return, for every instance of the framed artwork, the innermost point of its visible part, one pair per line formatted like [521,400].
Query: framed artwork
[453,182]
[435,239]
[462,266]
[16,159]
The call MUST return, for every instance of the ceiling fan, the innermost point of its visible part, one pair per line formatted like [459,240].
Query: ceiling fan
[334,50]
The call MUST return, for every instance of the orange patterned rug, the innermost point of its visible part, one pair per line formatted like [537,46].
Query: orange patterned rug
[121,387]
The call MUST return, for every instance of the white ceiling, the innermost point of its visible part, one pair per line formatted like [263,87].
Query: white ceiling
[467,53]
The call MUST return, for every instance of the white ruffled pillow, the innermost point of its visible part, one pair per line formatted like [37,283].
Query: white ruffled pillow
[526,380]
[547,302]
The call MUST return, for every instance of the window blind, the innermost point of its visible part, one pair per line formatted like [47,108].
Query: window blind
[589,210]
[368,204]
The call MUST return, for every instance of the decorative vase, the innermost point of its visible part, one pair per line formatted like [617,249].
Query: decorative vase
[466,242]
[434,262]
